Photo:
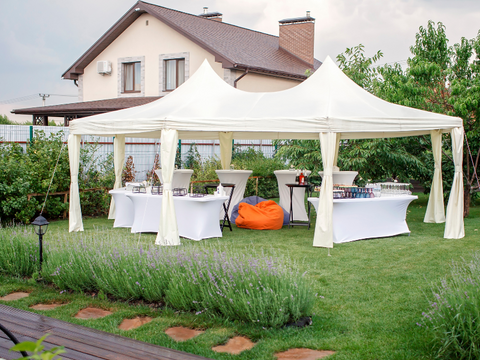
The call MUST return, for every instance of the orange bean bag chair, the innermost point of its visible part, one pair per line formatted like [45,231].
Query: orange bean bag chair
[266,215]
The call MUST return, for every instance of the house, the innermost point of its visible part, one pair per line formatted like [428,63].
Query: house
[152,50]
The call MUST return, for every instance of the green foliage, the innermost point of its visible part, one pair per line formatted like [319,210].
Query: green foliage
[30,172]
[258,287]
[443,79]
[38,350]
[193,160]
[454,313]
[4,120]
[439,78]
[247,159]
[18,252]
[302,154]
[358,67]
[250,159]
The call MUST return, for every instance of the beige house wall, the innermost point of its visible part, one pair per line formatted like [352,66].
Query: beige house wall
[264,83]
[150,41]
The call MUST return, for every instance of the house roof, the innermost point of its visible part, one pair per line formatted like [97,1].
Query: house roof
[87,108]
[235,47]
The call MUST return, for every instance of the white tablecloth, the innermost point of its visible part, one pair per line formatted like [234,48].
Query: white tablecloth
[288,177]
[355,219]
[197,218]
[342,177]
[181,178]
[123,208]
[237,177]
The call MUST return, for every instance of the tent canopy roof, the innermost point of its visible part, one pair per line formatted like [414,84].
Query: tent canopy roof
[328,101]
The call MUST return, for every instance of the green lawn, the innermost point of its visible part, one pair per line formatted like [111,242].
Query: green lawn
[374,292]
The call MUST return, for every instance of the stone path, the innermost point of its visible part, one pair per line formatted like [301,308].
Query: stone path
[180,333]
[15,296]
[235,345]
[92,313]
[129,324]
[45,306]
[303,354]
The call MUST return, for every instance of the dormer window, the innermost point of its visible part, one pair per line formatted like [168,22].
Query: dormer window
[132,77]
[174,73]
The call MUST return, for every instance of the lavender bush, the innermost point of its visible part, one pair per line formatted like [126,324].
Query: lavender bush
[18,251]
[454,314]
[258,287]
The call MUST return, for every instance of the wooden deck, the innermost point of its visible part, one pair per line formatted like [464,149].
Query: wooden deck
[81,343]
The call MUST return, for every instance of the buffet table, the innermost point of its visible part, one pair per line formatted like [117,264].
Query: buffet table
[197,217]
[288,177]
[239,179]
[355,219]
[123,208]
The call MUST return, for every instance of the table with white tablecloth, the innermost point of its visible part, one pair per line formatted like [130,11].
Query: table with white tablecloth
[181,177]
[123,208]
[342,177]
[288,177]
[237,177]
[355,219]
[197,217]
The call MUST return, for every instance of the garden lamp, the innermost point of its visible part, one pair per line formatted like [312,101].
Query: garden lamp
[40,226]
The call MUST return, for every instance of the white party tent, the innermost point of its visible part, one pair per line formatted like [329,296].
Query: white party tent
[328,106]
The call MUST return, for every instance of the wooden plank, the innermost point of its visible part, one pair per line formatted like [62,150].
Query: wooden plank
[70,341]
[85,340]
[6,344]
[88,336]
[77,338]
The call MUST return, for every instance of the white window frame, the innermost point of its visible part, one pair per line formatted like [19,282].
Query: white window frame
[120,67]
[161,70]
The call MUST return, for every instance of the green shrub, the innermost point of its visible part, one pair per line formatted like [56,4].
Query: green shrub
[30,171]
[454,314]
[250,159]
[4,120]
[258,287]
[18,252]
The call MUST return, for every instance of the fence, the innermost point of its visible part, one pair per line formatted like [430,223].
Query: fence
[143,150]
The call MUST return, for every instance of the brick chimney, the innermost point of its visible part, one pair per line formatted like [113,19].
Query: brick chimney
[297,37]
[211,15]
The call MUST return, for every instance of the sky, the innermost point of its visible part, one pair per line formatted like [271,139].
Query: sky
[40,40]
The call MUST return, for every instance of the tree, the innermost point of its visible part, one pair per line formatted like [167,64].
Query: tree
[445,80]
[439,78]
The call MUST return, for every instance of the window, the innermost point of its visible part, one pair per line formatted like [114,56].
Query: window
[132,77]
[174,73]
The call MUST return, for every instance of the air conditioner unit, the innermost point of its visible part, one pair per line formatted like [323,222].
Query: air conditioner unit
[104,67]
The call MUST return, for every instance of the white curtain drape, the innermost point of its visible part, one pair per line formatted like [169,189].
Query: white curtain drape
[75,222]
[337,149]
[436,209]
[118,161]
[324,227]
[168,229]
[454,228]
[225,149]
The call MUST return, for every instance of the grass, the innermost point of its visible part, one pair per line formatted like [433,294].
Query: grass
[374,292]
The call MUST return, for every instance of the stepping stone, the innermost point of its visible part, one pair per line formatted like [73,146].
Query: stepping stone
[303,354]
[92,313]
[45,306]
[179,333]
[15,296]
[129,324]
[235,345]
